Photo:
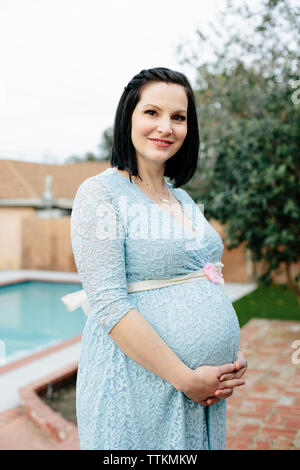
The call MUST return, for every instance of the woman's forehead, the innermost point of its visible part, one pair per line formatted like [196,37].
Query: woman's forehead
[164,94]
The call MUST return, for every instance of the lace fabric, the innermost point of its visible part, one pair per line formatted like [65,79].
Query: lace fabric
[100,260]
[119,403]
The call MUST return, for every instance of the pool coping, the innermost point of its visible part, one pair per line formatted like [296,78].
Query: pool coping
[33,406]
[49,421]
[17,276]
[12,276]
[38,355]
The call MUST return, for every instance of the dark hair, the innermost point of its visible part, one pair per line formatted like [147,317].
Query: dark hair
[182,166]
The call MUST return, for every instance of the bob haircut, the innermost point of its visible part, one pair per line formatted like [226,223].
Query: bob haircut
[182,166]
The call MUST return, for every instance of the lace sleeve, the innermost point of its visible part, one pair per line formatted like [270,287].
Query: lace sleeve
[97,235]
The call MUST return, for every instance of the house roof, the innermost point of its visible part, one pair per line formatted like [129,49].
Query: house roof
[25,180]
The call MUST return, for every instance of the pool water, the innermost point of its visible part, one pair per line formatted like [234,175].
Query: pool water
[33,318]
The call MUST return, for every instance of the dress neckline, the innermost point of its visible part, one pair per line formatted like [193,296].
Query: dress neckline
[149,199]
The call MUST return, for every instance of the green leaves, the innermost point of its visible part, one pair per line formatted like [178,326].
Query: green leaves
[249,171]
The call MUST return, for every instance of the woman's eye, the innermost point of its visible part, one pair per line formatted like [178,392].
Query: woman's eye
[182,118]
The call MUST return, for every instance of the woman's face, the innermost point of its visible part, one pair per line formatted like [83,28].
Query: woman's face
[161,113]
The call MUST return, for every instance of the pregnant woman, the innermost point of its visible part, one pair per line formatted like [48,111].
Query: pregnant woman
[160,347]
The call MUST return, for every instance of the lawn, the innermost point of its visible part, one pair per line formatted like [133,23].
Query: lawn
[275,302]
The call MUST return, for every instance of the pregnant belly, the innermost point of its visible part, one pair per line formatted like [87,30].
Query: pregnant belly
[195,319]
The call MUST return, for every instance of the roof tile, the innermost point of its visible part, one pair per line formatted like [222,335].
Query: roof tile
[25,180]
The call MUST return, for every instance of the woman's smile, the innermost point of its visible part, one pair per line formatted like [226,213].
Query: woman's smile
[161,143]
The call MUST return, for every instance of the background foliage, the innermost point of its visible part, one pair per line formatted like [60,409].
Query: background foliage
[248,111]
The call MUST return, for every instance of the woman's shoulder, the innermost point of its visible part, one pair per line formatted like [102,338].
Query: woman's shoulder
[99,183]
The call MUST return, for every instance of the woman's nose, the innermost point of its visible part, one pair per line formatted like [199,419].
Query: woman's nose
[165,127]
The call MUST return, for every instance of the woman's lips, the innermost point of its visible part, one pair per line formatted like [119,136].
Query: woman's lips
[161,144]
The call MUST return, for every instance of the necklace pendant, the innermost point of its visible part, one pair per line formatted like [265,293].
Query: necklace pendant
[165,200]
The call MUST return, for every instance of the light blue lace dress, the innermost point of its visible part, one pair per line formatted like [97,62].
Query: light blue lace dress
[119,403]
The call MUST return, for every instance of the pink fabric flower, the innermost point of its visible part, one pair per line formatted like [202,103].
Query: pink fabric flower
[214,276]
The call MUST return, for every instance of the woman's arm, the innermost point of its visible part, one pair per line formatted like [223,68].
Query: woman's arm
[136,337]
[97,235]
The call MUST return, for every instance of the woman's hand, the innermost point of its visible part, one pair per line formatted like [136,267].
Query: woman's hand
[205,381]
[240,368]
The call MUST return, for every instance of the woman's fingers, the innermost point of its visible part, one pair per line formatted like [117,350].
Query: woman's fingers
[210,401]
[238,364]
[227,377]
[231,383]
[225,393]
[220,394]
[225,369]
[240,361]
[203,402]
[235,375]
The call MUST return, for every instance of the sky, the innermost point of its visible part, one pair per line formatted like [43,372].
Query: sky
[64,64]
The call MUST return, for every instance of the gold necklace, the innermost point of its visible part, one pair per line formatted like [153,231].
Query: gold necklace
[160,198]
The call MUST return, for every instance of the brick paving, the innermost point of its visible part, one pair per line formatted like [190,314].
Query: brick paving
[17,432]
[264,414]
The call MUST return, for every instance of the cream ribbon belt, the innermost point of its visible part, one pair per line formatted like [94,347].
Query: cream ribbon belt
[213,271]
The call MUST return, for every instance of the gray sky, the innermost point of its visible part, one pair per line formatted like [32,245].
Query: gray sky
[64,64]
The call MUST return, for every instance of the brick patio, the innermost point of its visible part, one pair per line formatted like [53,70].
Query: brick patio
[263,414]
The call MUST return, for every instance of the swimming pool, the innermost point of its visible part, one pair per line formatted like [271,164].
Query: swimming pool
[33,317]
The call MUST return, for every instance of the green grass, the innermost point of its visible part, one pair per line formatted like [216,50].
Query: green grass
[276,302]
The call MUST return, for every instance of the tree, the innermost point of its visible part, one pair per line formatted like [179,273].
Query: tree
[249,119]
[106,144]
[88,157]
